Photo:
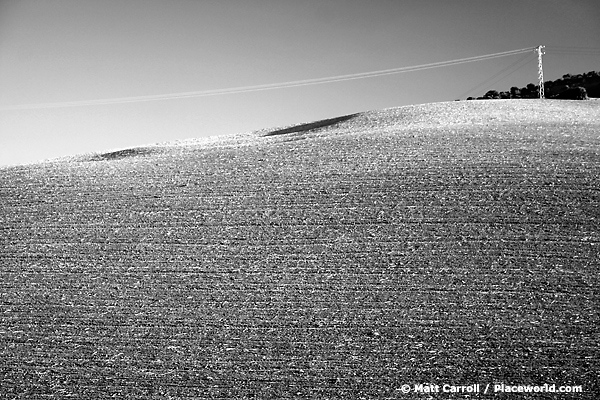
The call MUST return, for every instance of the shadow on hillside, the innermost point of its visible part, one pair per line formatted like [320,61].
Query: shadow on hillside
[312,125]
[121,154]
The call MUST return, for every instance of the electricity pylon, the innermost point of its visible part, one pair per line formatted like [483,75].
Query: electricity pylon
[540,51]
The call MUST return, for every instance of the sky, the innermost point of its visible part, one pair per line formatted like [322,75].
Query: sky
[76,51]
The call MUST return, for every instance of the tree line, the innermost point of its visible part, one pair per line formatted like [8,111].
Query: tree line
[570,87]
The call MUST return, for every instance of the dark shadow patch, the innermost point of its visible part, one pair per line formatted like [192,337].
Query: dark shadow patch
[311,126]
[121,154]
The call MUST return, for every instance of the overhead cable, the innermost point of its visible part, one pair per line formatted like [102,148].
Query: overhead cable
[254,88]
[504,73]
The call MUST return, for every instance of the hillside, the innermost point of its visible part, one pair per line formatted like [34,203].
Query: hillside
[448,243]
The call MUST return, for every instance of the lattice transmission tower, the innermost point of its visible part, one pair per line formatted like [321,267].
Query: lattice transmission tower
[540,51]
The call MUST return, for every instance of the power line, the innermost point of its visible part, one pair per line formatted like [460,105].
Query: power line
[245,89]
[580,51]
[582,48]
[575,52]
[554,50]
[514,67]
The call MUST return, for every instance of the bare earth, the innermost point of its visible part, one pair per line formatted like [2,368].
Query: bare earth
[448,243]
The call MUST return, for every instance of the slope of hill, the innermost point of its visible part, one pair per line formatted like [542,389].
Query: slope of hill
[450,243]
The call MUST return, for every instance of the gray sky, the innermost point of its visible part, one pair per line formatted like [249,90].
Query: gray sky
[55,51]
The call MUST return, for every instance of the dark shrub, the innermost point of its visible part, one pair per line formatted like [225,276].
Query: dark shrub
[574,93]
[492,94]
[593,88]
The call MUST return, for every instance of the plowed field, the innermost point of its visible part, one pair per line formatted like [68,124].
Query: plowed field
[449,243]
